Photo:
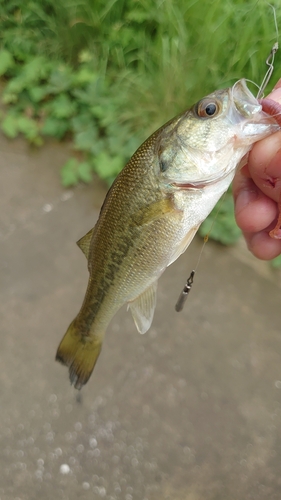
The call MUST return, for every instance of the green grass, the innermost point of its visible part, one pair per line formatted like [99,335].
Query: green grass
[108,73]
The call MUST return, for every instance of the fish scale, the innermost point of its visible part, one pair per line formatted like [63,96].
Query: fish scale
[152,212]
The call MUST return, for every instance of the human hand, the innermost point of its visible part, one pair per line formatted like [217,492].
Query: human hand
[257,194]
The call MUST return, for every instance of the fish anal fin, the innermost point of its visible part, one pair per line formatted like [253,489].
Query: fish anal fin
[143,307]
[80,354]
[184,243]
[85,241]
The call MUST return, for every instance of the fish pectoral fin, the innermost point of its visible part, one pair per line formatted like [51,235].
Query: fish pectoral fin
[155,211]
[184,243]
[80,354]
[143,307]
[84,242]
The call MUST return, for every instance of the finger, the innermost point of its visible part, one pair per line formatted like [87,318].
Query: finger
[265,158]
[276,86]
[262,245]
[254,211]
[275,94]
[264,164]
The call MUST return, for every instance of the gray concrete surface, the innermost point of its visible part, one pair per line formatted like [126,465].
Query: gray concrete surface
[189,411]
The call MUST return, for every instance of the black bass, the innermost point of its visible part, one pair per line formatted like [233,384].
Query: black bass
[153,210]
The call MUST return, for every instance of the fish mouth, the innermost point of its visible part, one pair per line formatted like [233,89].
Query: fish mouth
[244,101]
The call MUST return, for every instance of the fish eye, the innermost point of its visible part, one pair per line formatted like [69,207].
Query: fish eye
[207,108]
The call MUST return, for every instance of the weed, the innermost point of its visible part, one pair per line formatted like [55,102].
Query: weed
[110,73]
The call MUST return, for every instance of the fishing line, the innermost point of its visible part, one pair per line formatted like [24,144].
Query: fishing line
[270,63]
[252,82]
[189,282]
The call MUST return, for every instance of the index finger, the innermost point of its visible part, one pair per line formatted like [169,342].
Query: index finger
[264,162]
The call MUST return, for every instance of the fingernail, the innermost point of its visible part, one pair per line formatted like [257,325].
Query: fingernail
[276,93]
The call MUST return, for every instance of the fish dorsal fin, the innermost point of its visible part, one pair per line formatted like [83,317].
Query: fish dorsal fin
[84,243]
[143,307]
[184,243]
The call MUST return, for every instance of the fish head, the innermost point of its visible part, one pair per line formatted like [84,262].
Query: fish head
[204,144]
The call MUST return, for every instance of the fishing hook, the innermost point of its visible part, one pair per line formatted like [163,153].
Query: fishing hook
[270,60]
[270,63]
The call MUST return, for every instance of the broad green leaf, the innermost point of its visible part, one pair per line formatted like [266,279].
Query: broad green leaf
[29,128]
[35,70]
[60,80]
[81,122]
[38,93]
[9,97]
[10,126]
[85,56]
[61,106]
[107,166]
[14,86]
[26,124]
[84,140]
[69,172]
[276,262]
[83,76]
[55,127]
[6,61]
[85,172]
[98,111]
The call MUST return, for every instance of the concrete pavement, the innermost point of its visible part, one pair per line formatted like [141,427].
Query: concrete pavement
[189,411]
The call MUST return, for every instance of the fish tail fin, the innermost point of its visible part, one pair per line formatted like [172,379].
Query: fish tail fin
[80,353]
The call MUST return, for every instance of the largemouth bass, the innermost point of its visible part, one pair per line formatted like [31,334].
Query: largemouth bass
[153,210]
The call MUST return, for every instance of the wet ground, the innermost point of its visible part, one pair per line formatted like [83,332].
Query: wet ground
[189,411]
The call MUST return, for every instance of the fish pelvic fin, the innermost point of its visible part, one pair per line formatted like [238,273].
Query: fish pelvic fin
[80,354]
[185,242]
[143,307]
